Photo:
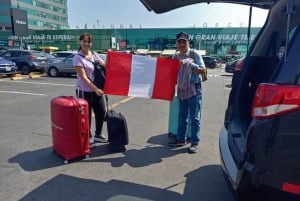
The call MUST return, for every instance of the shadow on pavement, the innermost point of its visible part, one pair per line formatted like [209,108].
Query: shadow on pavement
[199,187]
[139,157]
[38,159]
[46,158]
[147,155]
[206,184]
[227,75]
[66,188]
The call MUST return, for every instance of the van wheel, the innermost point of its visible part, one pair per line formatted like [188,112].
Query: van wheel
[53,72]
[25,69]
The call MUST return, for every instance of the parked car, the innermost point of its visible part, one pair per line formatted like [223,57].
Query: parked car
[102,56]
[50,57]
[63,54]
[230,66]
[210,62]
[7,66]
[259,140]
[63,66]
[26,60]
[236,65]
[237,71]
[2,49]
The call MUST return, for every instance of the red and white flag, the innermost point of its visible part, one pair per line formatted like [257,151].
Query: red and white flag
[140,76]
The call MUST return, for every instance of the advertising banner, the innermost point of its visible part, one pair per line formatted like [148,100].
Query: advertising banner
[19,22]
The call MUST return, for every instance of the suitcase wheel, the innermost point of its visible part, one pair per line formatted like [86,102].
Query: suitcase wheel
[66,161]
[87,156]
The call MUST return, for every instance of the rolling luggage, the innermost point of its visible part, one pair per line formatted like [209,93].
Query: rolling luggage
[70,127]
[117,130]
[173,119]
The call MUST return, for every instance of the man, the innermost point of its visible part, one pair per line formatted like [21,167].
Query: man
[189,92]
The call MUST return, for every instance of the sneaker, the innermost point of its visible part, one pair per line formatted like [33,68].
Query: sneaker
[92,143]
[91,140]
[100,138]
[193,149]
[177,143]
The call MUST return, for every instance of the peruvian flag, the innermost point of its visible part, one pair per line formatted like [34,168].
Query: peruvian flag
[140,76]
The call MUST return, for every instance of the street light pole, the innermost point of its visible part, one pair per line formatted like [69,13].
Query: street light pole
[198,39]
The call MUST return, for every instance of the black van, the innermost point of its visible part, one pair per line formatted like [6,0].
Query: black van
[260,139]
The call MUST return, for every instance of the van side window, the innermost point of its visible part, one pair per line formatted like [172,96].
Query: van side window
[291,67]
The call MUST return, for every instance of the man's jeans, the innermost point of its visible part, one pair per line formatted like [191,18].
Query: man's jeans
[191,107]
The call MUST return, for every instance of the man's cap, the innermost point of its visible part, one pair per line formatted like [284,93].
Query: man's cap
[182,36]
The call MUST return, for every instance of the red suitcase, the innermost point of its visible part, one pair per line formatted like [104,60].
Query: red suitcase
[70,127]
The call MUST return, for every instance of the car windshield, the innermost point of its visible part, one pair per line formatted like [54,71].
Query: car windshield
[103,56]
[49,56]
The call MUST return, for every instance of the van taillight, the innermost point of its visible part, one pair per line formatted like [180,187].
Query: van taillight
[31,57]
[272,100]
[292,188]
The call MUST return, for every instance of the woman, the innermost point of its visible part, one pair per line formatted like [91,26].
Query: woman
[85,88]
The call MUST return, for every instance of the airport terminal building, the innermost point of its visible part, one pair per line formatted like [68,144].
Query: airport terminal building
[47,29]
[212,41]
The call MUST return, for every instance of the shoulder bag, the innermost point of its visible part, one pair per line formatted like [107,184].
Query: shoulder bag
[99,73]
[204,75]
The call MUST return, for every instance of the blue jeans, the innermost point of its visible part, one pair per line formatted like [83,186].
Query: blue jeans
[190,108]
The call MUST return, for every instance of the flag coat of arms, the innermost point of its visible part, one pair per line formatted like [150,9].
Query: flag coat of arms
[140,76]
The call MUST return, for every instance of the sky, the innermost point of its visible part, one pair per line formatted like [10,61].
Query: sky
[132,14]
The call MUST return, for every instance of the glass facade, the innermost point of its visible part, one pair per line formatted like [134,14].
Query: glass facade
[43,14]
[212,41]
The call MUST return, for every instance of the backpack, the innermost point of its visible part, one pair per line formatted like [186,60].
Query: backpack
[204,76]
[99,73]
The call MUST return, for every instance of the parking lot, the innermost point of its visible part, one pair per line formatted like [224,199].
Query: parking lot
[148,170]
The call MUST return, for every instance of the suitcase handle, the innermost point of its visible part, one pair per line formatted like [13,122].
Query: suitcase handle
[106,103]
[77,91]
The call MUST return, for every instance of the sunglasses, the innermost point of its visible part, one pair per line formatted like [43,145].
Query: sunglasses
[86,41]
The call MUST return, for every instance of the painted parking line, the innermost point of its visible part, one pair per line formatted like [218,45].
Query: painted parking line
[213,75]
[41,83]
[23,93]
[120,102]
[56,84]
[117,104]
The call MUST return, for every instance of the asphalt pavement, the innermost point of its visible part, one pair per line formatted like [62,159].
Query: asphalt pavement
[148,170]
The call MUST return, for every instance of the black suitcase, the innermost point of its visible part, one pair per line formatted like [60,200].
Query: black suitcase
[116,129]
